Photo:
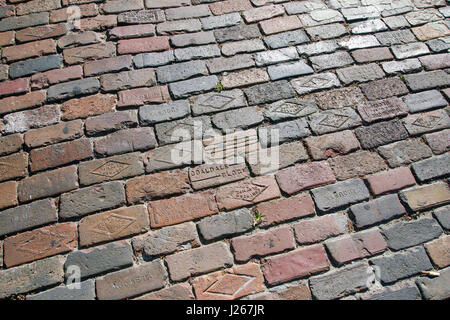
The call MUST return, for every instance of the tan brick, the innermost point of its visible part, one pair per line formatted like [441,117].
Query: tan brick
[180,209]
[26,101]
[200,260]
[356,164]
[230,284]
[41,32]
[40,243]
[223,7]
[13,166]
[305,176]
[37,6]
[247,192]
[244,78]
[331,145]
[8,190]
[48,184]
[278,211]
[10,143]
[141,96]
[431,31]
[88,106]
[280,24]
[439,251]
[54,134]
[180,291]
[158,185]
[29,50]
[143,45]
[6,38]
[426,196]
[43,80]
[113,225]
[132,281]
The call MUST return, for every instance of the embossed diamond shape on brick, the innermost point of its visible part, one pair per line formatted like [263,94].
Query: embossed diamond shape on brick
[290,108]
[230,284]
[334,120]
[110,169]
[248,191]
[114,224]
[217,101]
[427,122]
[35,244]
[316,82]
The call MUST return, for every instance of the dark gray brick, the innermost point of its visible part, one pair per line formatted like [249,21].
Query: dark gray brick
[153,59]
[217,101]
[340,194]
[236,62]
[436,288]
[405,152]
[402,265]
[408,234]
[164,112]
[334,120]
[382,133]
[142,16]
[72,89]
[395,37]
[101,259]
[85,292]
[427,80]
[431,168]
[378,210]
[32,66]
[443,216]
[439,45]
[285,131]
[194,127]
[286,39]
[235,33]
[408,292]
[180,71]
[226,224]
[239,118]
[193,86]
[14,23]
[27,216]
[269,92]
[340,283]
[88,200]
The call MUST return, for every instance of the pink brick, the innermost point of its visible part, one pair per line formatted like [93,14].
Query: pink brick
[229,6]
[391,180]
[305,176]
[143,45]
[8,88]
[318,229]
[285,209]
[280,24]
[32,99]
[357,246]
[6,38]
[295,264]
[141,96]
[141,30]
[263,243]
[43,80]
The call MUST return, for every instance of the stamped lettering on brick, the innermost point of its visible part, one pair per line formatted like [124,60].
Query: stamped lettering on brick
[213,175]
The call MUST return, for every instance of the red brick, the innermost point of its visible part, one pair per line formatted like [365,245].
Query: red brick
[356,246]
[98,22]
[29,50]
[86,10]
[321,228]
[391,180]
[13,166]
[295,264]
[263,243]
[332,145]
[285,209]
[88,106]
[439,251]
[8,190]
[8,88]
[108,65]
[113,225]
[230,284]
[36,6]
[157,185]
[229,6]
[6,38]
[43,80]
[60,132]
[305,176]
[141,96]
[134,31]
[10,143]
[60,154]
[27,101]
[180,209]
[48,184]
[40,243]
[143,45]
[247,192]
[280,24]
[41,32]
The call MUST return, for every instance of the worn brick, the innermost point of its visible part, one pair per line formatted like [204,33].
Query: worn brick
[396,292]
[29,50]
[321,16]
[243,78]
[331,145]
[316,48]
[431,168]
[19,103]
[285,39]
[295,264]
[34,19]
[33,276]
[361,73]
[86,292]
[390,180]
[215,102]
[405,152]
[7,38]
[134,31]
[356,164]
[72,89]
[269,92]
[385,88]
[13,166]
[315,82]
[79,39]
[8,88]
[143,45]
[321,228]
[10,143]
[236,33]
[439,251]
[32,66]
[427,122]
[381,133]
[426,196]
[141,17]
[9,195]
[90,52]
[88,200]
[111,168]
[37,6]
[200,260]
[192,39]
[340,194]
[54,239]
[180,291]
[132,281]
[111,121]
[334,120]
[45,79]
[28,216]
[229,6]
[141,96]
[403,66]
[128,80]
[382,109]
[437,288]
[424,101]
[338,98]
[185,88]
[87,106]
[280,24]
[107,65]
[439,142]
[225,20]
[183,130]
[156,186]
[427,80]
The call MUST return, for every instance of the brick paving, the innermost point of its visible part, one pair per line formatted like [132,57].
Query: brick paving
[95,96]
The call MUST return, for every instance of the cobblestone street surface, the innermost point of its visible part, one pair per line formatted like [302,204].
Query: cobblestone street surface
[117,116]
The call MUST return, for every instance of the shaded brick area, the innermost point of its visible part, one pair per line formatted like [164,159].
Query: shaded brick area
[97,172]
